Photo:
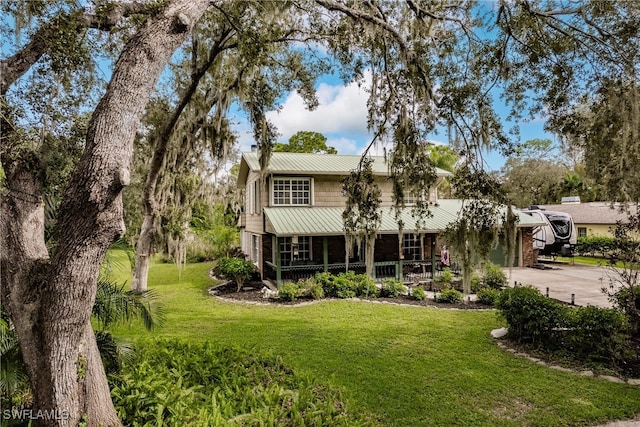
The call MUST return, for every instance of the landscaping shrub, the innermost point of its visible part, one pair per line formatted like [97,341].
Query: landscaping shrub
[488,296]
[311,288]
[532,317]
[476,283]
[236,269]
[173,383]
[494,277]
[445,277]
[598,335]
[449,296]
[595,245]
[365,286]
[391,288]
[418,293]
[289,291]
[346,285]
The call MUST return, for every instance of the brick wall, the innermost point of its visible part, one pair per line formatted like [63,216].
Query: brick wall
[529,256]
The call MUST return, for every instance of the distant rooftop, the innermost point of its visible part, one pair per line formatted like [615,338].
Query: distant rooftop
[313,164]
[592,212]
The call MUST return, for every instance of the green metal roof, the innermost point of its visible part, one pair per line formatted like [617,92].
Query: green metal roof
[313,164]
[314,221]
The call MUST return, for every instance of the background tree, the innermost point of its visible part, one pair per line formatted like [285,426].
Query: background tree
[532,174]
[305,142]
[605,127]
[223,50]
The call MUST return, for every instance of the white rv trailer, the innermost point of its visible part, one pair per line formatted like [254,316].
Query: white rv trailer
[558,236]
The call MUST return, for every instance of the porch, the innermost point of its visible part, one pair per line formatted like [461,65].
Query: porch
[413,271]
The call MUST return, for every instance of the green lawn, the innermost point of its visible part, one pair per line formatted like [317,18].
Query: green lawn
[408,366]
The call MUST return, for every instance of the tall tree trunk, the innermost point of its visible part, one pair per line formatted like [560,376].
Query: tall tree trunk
[50,300]
[161,147]
[143,252]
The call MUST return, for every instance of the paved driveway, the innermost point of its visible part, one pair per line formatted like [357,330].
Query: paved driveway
[584,282]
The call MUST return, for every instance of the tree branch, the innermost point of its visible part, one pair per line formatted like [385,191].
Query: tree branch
[15,66]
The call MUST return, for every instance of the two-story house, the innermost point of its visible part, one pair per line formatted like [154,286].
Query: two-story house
[292,225]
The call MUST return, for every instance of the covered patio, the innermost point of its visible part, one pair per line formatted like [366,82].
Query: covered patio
[303,241]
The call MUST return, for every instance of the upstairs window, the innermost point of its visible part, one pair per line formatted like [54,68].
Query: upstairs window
[291,191]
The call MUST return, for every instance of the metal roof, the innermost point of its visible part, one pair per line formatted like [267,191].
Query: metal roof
[313,164]
[594,212]
[315,221]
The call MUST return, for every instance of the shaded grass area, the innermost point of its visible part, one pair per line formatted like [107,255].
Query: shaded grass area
[409,366]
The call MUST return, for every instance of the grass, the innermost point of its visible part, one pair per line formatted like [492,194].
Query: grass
[587,260]
[583,260]
[408,366]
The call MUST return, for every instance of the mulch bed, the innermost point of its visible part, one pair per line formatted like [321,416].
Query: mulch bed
[251,293]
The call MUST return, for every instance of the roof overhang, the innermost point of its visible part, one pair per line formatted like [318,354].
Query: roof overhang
[328,221]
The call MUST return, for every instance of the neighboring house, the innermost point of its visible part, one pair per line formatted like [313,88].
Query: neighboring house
[593,218]
[292,225]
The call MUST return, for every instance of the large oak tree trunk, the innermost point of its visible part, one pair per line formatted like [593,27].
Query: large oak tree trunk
[50,300]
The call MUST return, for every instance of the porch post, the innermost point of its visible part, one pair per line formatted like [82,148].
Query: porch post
[325,253]
[433,256]
[278,263]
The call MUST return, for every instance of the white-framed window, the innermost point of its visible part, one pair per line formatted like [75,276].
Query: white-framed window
[582,231]
[290,191]
[411,246]
[255,248]
[296,248]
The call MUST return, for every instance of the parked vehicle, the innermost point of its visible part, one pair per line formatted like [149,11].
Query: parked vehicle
[558,236]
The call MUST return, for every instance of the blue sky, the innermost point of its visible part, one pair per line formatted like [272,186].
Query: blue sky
[342,118]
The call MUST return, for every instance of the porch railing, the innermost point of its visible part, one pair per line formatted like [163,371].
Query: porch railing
[407,271]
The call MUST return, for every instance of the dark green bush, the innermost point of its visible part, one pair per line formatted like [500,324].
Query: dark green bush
[532,317]
[476,283]
[418,293]
[598,334]
[595,245]
[449,296]
[445,277]
[392,288]
[365,287]
[311,288]
[173,383]
[236,269]
[488,296]
[494,277]
[346,285]
[289,291]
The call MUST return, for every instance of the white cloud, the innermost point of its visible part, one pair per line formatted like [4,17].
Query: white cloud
[343,145]
[342,110]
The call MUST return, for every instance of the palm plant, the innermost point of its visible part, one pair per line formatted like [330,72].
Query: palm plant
[113,305]
[14,383]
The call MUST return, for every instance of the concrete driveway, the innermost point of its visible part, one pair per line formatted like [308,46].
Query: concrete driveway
[562,280]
